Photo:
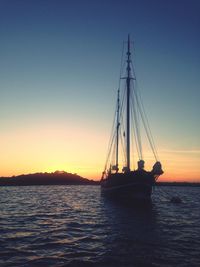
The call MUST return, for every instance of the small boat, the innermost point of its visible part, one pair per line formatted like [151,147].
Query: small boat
[120,178]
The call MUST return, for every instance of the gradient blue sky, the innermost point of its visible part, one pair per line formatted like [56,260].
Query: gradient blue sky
[59,69]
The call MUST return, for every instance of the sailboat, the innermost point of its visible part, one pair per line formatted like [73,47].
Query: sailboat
[125,180]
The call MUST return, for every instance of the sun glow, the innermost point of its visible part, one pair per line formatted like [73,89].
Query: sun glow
[72,149]
[181,165]
[51,146]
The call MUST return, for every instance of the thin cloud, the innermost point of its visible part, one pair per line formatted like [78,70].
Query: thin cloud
[192,151]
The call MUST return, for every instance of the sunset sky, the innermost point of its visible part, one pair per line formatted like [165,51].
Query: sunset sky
[59,71]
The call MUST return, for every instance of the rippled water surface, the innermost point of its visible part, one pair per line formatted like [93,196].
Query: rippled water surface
[76,226]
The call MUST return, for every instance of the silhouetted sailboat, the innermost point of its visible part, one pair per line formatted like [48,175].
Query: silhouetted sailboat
[126,139]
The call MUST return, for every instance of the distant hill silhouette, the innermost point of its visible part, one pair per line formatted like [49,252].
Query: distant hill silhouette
[64,178]
[54,178]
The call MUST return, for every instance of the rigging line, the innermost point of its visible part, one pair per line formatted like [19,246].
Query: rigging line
[146,128]
[115,116]
[137,127]
[122,136]
[121,64]
[134,129]
[122,127]
[145,115]
[149,136]
[136,121]
[109,152]
[122,102]
[122,107]
[123,147]
[122,131]
[135,111]
[136,144]
[111,138]
[113,155]
[113,133]
[132,66]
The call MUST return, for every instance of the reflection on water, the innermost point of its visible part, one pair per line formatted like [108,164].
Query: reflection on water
[76,226]
[132,233]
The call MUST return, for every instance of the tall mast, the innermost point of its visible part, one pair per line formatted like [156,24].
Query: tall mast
[117,137]
[128,69]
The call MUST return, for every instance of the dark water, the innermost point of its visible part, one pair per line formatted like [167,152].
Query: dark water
[76,226]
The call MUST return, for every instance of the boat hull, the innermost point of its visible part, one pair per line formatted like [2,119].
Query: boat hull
[128,186]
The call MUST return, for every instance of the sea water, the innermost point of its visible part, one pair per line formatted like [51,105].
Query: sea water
[77,226]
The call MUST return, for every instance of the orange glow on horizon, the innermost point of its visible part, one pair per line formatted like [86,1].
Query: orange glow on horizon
[81,150]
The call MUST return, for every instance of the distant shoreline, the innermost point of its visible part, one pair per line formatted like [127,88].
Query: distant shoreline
[177,184]
[55,178]
[65,178]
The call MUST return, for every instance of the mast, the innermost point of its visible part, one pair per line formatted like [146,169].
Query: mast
[128,78]
[117,137]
